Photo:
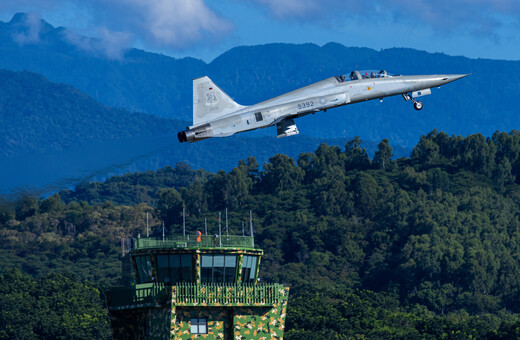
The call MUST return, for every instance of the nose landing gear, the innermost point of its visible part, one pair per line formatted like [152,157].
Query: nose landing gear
[418,105]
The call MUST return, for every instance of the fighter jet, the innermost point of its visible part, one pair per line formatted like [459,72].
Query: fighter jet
[215,114]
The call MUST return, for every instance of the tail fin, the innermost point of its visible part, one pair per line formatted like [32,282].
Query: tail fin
[210,102]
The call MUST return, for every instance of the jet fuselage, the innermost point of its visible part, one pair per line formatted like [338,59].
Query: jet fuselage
[280,111]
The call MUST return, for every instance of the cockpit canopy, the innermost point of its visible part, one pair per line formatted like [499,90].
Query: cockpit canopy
[358,75]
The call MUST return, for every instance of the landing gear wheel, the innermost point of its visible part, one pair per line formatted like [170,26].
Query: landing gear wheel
[418,105]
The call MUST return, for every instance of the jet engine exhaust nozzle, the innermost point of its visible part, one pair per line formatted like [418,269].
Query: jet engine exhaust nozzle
[186,136]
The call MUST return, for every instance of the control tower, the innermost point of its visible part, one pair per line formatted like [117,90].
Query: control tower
[197,287]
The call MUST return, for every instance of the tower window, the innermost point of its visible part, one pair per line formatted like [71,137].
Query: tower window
[199,326]
[249,268]
[218,268]
[144,269]
[174,268]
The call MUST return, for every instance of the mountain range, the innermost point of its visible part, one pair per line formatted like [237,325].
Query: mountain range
[157,84]
[54,136]
[68,110]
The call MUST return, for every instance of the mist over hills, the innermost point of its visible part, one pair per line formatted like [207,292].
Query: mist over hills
[139,81]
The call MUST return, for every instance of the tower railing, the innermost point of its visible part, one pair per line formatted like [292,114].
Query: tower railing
[206,241]
[189,294]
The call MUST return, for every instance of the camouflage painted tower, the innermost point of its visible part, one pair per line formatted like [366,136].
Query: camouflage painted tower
[199,287]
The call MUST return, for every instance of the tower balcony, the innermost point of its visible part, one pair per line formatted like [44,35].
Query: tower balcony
[191,295]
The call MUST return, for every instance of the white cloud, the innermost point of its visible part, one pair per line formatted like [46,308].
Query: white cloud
[291,8]
[28,30]
[110,44]
[482,17]
[165,24]
[171,24]
[176,23]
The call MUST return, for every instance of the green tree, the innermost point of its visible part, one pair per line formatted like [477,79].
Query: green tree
[503,175]
[51,204]
[477,154]
[280,174]
[383,156]
[426,151]
[252,169]
[240,185]
[219,190]
[366,195]
[329,195]
[26,207]
[355,156]
[195,198]
[7,211]
[51,307]
[170,206]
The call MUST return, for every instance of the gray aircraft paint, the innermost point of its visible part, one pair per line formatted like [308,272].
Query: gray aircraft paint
[215,114]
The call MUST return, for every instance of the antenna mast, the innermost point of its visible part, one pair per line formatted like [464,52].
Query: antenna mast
[251,222]
[184,221]
[147,226]
[227,227]
[219,230]
[163,231]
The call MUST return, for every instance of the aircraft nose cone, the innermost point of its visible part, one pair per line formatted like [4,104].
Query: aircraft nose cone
[457,76]
[452,77]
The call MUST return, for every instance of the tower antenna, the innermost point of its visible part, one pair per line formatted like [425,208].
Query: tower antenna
[163,231]
[219,230]
[227,226]
[251,222]
[147,226]
[184,221]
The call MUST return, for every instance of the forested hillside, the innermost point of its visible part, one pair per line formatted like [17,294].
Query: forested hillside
[420,247]
[38,115]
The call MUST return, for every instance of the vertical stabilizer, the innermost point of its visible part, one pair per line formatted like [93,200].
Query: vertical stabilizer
[210,102]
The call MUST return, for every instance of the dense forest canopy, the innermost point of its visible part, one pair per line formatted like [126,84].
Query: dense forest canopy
[426,246]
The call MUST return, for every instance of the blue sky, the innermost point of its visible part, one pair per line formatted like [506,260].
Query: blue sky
[206,28]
